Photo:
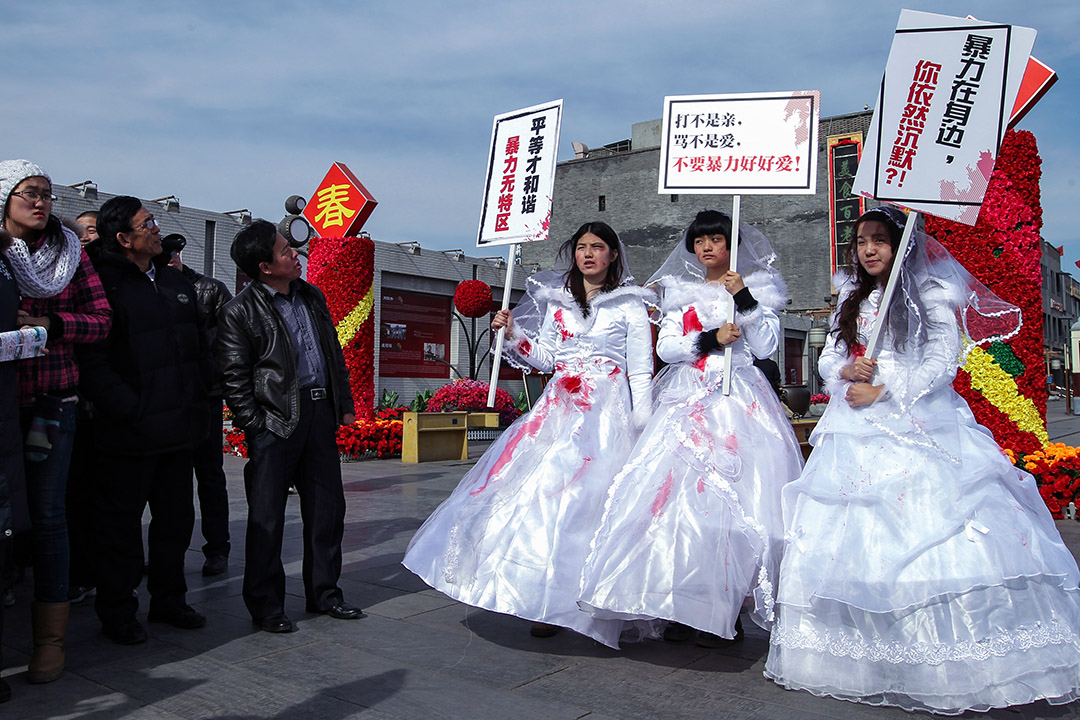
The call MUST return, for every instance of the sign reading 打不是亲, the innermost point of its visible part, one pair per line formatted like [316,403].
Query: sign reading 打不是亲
[747,144]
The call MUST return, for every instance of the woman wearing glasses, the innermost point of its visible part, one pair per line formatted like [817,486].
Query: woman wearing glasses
[62,293]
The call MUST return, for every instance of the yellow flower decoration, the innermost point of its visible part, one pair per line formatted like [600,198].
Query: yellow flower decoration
[350,324]
[999,388]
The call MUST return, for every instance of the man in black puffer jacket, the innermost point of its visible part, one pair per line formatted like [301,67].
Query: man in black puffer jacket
[148,381]
[210,481]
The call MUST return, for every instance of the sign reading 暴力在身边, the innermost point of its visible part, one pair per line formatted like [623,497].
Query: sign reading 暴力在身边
[747,144]
[944,105]
[520,176]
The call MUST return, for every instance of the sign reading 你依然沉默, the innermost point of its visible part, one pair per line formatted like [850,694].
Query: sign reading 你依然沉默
[748,144]
[341,204]
[946,98]
[520,176]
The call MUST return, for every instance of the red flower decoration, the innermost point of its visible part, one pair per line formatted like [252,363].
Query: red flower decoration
[473,298]
[1002,250]
[343,268]
[471,395]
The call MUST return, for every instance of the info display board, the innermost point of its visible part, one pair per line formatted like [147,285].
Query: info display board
[414,335]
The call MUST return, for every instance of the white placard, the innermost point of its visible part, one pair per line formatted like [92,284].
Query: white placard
[520,176]
[944,105]
[749,144]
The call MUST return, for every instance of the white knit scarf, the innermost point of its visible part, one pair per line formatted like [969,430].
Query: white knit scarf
[48,270]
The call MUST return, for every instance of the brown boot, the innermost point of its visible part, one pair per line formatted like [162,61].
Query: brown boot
[49,625]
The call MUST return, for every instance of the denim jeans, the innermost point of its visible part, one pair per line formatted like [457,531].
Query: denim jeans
[46,486]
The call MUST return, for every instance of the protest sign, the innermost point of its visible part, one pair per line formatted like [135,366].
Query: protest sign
[748,144]
[740,144]
[518,192]
[945,101]
[520,176]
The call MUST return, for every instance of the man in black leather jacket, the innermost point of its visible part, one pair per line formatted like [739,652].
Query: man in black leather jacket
[210,482]
[286,384]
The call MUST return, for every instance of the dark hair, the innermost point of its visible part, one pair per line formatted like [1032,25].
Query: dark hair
[847,319]
[708,222]
[574,281]
[114,218]
[254,245]
[88,213]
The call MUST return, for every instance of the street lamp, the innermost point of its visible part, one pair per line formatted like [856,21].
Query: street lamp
[815,339]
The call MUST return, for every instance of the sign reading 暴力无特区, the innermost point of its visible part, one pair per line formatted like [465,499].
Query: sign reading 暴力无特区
[341,204]
[748,144]
[945,102]
[520,176]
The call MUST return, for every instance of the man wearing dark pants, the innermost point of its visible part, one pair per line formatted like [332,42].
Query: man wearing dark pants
[210,483]
[286,384]
[147,381]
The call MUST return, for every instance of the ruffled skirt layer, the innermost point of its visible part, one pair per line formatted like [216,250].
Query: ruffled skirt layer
[513,536]
[915,581]
[693,526]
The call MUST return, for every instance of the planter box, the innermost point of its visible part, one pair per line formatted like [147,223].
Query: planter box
[483,419]
[427,437]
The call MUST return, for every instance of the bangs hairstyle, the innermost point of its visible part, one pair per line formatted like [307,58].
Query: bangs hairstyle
[708,222]
[574,281]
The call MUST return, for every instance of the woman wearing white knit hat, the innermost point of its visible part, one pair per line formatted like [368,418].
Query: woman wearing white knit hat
[61,292]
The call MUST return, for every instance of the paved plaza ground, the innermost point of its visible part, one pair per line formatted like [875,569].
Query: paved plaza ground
[417,654]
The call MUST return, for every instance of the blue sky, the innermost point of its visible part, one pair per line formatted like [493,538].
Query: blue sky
[234,105]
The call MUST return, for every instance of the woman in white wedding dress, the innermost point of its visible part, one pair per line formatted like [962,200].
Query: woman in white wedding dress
[693,525]
[513,536]
[922,569]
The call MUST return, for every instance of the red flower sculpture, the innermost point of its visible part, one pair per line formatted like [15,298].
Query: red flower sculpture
[473,298]
[343,269]
[1002,250]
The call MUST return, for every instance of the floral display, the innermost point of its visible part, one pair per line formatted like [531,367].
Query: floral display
[1005,383]
[1056,467]
[472,298]
[234,443]
[371,439]
[343,268]
[364,439]
[391,413]
[471,395]
[817,398]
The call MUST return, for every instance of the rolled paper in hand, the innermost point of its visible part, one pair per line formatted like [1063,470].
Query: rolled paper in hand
[28,342]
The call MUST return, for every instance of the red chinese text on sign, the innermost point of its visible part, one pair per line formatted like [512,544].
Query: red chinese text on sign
[341,204]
